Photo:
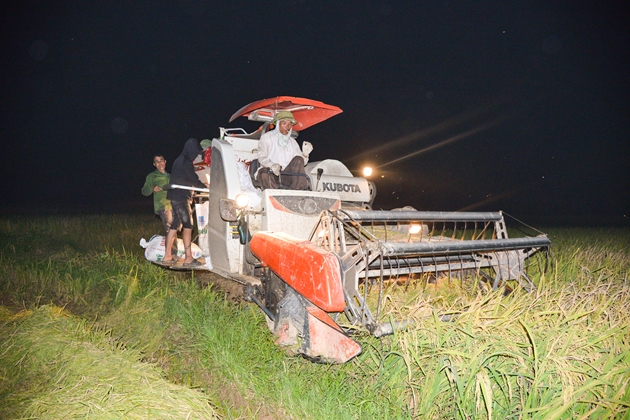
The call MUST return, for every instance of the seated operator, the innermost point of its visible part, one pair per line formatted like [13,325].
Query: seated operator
[278,151]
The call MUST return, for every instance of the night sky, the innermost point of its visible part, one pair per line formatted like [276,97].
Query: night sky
[521,106]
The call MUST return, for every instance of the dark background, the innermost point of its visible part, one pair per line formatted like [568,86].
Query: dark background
[521,106]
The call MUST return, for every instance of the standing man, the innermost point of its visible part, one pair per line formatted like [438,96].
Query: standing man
[183,173]
[154,184]
[279,152]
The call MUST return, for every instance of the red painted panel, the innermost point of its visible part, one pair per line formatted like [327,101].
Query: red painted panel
[327,340]
[311,271]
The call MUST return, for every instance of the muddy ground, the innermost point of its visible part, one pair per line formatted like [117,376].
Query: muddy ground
[233,291]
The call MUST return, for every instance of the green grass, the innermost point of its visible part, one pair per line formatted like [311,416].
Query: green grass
[79,298]
[58,366]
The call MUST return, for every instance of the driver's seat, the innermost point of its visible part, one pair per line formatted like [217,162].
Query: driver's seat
[253,167]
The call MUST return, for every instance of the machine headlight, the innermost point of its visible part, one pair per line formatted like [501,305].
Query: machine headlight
[241,201]
[367,171]
[414,228]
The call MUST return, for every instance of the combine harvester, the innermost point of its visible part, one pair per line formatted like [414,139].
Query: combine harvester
[311,259]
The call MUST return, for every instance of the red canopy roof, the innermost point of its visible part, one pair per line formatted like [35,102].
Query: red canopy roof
[306,112]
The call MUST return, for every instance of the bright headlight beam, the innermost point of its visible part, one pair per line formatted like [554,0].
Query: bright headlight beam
[444,142]
[435,130]
[414,228]
[241,201]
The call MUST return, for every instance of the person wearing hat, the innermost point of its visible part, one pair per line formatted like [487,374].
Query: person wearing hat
[280,157]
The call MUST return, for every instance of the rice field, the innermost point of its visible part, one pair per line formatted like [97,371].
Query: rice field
[92,330]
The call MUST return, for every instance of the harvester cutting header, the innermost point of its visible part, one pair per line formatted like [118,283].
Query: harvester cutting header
[318,259]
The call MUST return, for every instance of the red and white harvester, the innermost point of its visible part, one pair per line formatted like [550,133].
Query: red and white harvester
[318,259]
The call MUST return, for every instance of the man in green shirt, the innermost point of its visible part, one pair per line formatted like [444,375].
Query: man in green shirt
[154,184]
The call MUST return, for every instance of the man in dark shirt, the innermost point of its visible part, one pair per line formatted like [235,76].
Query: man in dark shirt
[183,173]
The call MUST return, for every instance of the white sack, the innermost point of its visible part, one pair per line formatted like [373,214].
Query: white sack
[201,211]
[154,249]
[247,188]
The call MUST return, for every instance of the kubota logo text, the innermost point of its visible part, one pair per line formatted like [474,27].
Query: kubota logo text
[332,186]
